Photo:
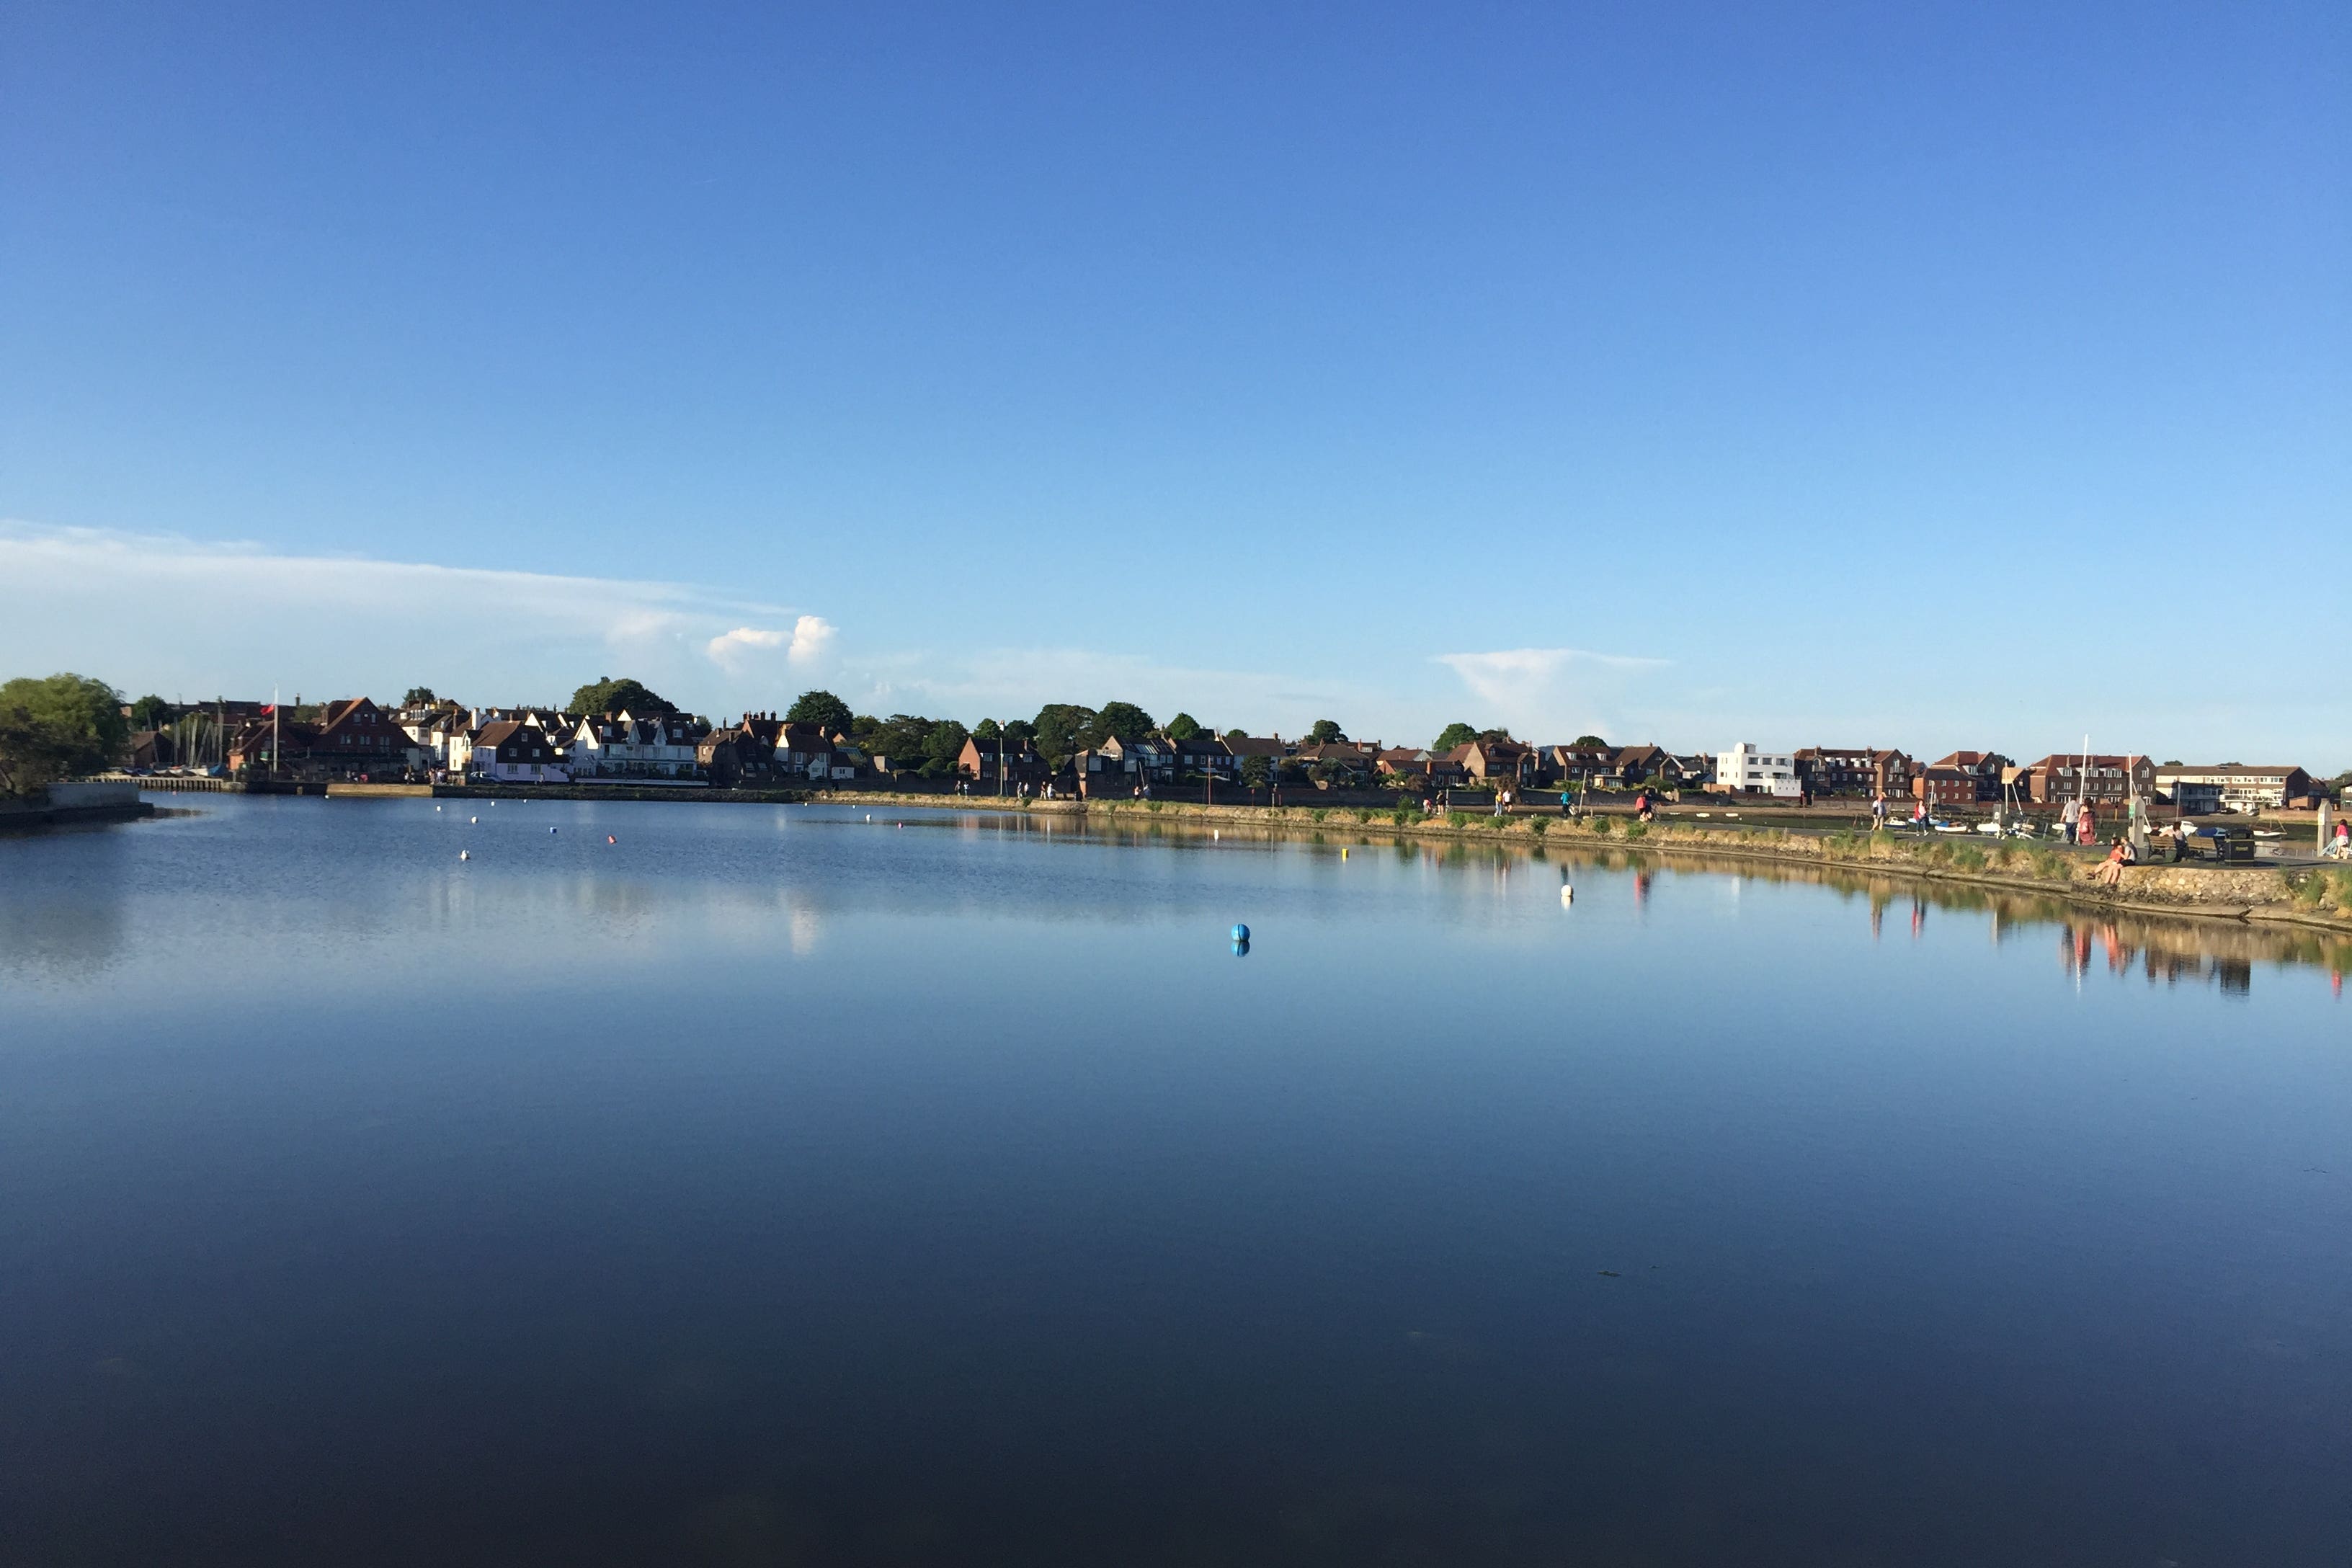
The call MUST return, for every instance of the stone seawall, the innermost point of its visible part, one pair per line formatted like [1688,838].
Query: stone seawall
[81,800]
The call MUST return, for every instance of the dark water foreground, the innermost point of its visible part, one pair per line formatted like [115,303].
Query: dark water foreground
[777,1187]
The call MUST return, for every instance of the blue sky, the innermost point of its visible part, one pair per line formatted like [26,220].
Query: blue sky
[1835,373]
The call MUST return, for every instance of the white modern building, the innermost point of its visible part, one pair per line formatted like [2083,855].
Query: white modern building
[1746,769]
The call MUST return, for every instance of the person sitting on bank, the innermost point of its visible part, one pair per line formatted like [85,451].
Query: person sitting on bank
[2111,869]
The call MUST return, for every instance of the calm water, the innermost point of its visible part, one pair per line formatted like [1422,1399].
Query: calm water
[774,1187]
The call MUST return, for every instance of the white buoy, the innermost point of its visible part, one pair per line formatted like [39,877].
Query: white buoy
[550,830]
[1567,894]
[473,819]
[437,809]
[465,855]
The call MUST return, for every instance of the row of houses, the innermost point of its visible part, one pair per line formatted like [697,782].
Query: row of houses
[356,738]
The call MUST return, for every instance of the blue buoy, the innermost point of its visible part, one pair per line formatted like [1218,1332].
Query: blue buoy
[1240,934]
[1241,948]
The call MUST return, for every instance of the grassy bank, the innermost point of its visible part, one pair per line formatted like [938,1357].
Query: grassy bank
[2314,896]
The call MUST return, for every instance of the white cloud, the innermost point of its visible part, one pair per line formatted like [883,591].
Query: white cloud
[807,643]
[1546,693]
[727,649]
[194,618]
[812,636]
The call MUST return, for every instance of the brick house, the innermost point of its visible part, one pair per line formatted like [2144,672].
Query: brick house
[1839,770]
[977,763]
[1987,768]
[2110,780]
[737,758]
[1940,785]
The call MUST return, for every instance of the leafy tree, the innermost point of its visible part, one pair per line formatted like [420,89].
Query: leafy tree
[944,745]
[422,696]
[1326,731]
[1063,729]
[56,728]
[1237,734]
[1452,735]
[149,712]
[1124,719]
[1183,727]
[1019,732]
[1590,740]
[987,730]
[1493,735]
[904,738]
[822,709]
[606,695]
[1254,772]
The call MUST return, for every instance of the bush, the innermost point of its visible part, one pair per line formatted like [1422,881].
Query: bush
[1401,815]
[1636,830]
[1320,813]
[1537,826]
[1968,857]
[1457,819]
[1365,814]
[1599,824]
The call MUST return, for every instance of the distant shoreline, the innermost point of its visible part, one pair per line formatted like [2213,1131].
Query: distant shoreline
[2256,893]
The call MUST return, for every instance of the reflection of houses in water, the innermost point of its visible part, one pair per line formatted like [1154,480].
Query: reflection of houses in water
[2158,953]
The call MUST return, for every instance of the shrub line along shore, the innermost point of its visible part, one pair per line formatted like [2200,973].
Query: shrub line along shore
[2313,896]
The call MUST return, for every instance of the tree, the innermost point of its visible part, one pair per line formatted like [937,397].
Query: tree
[1124,719]
[1591,740]
[422,696]
[1063,729]
[1254,772]
[149,712]
[1237,734]
[822,709]
[1019,732]
[987,730]
[944,744]
[1183,727]
[1452,735]
[1326,731]
[56,728]
[607,695]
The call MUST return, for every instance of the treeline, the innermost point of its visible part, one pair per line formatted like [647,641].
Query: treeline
[1059,731]
[56,728]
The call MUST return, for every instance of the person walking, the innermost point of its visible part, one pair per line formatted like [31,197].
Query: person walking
[1878,811]
[2070,816]
[2087,833]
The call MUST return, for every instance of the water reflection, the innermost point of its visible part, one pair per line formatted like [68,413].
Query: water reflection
[794,1188]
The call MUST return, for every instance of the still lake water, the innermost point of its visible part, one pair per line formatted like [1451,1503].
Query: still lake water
[770,1186]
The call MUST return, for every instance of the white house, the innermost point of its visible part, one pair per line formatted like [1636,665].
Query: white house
[1745,769]
[513,752]
[623,745]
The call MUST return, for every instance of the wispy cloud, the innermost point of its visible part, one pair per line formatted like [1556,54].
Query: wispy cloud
[198,616]
[1545,692]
